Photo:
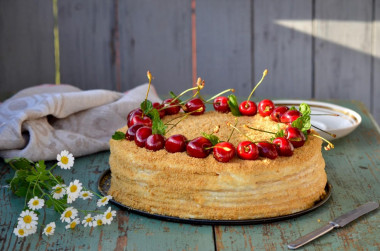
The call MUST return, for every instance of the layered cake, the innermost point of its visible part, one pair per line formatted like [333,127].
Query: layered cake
[176,184]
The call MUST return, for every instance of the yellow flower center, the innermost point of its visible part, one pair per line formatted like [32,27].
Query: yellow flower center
[48,229]
[35,203]
[58,190]
[108,215]
[28,219]
[73,224]
[99,222]
[64,160]
[73,188]
[104,199]
[89,219]
[21,232]
[85,194]
[68,214]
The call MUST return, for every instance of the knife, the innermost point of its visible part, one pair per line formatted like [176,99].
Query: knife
[338,222]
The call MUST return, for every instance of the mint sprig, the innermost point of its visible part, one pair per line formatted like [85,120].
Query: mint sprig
[233,104]
[303,123]
[158,127]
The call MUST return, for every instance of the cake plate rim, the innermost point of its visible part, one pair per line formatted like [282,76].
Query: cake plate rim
[106,175]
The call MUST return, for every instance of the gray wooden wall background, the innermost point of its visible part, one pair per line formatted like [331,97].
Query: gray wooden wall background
[323,49]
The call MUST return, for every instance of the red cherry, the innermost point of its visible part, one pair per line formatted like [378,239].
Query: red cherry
[267,150]
[277,113]
[221,104]
[290,116]
[265,107]
[248,108]
[171,108]
[134,112]
[141,135]
[224,151]
[155,142]
[131,132]
[159,106]
[194,105]
[296,137]
[247,150]
[199,147]
[284,146]
[137,119]
[176,143]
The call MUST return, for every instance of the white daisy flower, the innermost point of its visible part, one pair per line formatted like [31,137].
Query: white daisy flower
[98,220]
[20,231]
[86,195]
[65,160]
[103,201]
[108,216]
[32,230]
[73,191]
[28,219]
[73,223]
[49,229]
[89,221]
[68,214]
[36,203]
[59,191]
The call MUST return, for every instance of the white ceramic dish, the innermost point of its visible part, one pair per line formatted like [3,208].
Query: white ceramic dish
[340,125]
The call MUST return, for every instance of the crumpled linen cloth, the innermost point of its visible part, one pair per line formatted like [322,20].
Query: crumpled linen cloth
[39,122]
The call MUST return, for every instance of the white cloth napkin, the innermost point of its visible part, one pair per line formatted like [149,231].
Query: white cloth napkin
[39,122]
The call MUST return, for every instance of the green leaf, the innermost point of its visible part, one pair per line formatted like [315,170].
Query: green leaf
[146,106]
[49,203]
[118,135]
[158,127]
[233,104]
[305,109]
[40,166]
[213,138]
[298,123]
[20,163]
[293,108]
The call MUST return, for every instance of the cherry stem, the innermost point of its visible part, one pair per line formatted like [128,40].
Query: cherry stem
[330,114]
[329,133]
[257,85]
[181,119]
[229,124]
[329,144]
[258,129]
[221,147]
[233,129]
[200,85]
[149,75]
[217,95]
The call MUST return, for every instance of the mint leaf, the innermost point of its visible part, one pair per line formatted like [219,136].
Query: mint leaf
[213,138]
[146,106]
[305,109]
[118,135]
[298,123]
[293,108]
[233,104]
[158,127]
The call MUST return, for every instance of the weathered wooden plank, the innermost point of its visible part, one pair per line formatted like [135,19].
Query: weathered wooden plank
[86,45]
[26,45]
[224,57]
[283,45]
[343,49]
[376,62]
[155,36]
[128,231]
[354,174]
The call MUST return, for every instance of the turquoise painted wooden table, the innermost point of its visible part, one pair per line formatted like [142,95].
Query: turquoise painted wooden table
[353,169]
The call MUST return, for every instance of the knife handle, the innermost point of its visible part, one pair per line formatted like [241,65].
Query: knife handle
[311,236]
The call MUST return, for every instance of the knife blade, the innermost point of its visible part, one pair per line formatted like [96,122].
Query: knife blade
[341,221]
